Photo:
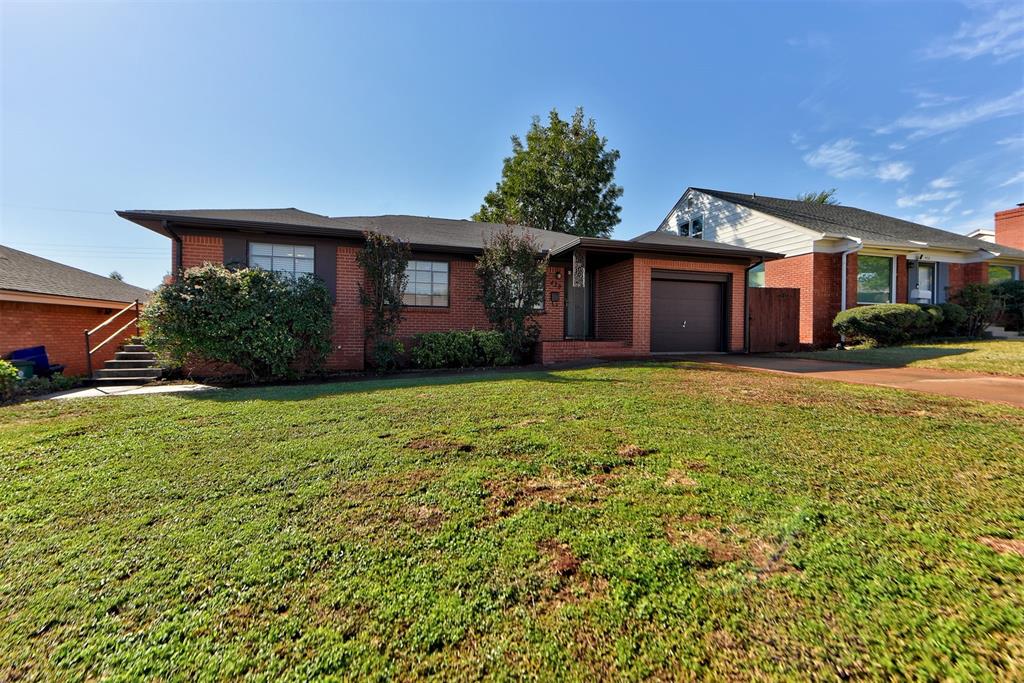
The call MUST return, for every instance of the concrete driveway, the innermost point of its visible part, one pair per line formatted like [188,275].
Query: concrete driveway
[978,387]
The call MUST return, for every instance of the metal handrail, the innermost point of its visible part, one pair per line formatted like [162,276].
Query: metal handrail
[89,351]
[111,318]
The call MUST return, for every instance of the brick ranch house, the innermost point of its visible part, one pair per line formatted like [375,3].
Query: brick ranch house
[656,293]
[45,303]
[885,259]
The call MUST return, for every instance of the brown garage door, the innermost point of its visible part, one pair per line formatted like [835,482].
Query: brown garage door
[686,316]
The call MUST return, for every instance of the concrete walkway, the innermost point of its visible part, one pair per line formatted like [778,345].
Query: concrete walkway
[127,390]
[979,387]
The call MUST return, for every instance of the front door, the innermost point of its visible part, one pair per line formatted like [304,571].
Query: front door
[579,308]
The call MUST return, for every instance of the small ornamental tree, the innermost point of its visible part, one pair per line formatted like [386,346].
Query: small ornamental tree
[982,306]
[383,260]
[512,269]
[266,323]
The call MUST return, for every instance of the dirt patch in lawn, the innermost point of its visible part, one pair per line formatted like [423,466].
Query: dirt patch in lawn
[425,517]
[507,497]
[725,544]
[681,479]
[1004,546]
[561,561]
[630,452]
[439,446]
[568,584]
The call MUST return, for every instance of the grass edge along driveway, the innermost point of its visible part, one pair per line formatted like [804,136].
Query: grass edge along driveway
[988,356]
[622,521]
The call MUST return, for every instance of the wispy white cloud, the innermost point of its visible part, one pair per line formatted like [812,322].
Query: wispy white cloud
[1012,141]
[798,140]
[897,146]
[916,199]
[894,170]
[839,159]
[926,125]
[1017,179]
[998,33]
[928,99]
[943,183]
[812,40]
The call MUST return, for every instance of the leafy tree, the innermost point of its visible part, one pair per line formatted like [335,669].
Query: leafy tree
[512,270]
[383,260]
[114,275]
[561,179]
[266,323]
[822,197]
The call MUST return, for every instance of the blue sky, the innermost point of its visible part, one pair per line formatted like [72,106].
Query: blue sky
[910,109]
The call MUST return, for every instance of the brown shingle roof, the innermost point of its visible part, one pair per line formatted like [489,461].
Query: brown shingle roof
[422,231]
[23,272]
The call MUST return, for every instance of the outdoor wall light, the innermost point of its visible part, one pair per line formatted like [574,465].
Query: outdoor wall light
[554,297]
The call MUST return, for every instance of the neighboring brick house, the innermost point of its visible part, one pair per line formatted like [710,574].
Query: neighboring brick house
[1010,227]
[885,259]
[45,303]
[698,288]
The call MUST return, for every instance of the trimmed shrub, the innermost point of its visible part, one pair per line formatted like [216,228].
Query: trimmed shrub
[8,379]
[883,324]
[981,304]
[953,319]
[1010,294]
[266,323]
[461,349]
[934,321]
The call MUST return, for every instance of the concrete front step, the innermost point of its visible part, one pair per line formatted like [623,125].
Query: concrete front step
[118,363]
[123,373]
[102,381]
[134,355]
[134,347]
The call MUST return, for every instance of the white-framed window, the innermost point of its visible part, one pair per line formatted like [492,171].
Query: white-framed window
[293,260]
[690,226]
[875,279]
[427,284]
[998,273]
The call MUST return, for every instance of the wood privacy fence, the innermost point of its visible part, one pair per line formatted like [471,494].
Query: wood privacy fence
[773,319]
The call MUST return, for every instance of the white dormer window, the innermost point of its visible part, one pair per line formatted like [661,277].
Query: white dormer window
[690,225]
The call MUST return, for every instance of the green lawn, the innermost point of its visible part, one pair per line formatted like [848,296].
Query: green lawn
[992,356]
[624,521]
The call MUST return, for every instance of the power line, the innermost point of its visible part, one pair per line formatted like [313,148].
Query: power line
[54,208]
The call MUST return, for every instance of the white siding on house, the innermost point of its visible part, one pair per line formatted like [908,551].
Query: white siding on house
[737,225]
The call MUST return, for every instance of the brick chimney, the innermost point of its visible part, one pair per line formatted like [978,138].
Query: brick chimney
[1010,227]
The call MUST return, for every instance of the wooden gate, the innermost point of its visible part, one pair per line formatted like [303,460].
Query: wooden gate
[773,319]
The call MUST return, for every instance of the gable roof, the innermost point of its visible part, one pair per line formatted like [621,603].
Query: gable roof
[422,232]
[24,272]
[846,221]
[671,239]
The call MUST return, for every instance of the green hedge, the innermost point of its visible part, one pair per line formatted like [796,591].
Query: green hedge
[888,324]
[461,349]
[883,324]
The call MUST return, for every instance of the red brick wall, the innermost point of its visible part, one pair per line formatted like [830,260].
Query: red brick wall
[961,274]
[61,330]
[347,317]
[642,267]
[199,249]
[613,301]
[1010,227]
